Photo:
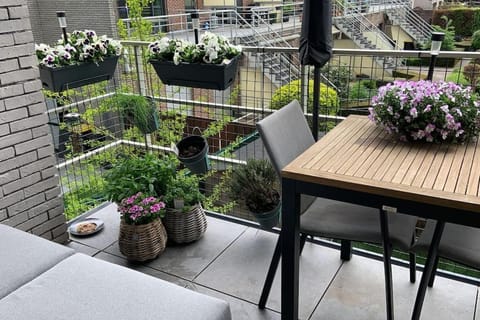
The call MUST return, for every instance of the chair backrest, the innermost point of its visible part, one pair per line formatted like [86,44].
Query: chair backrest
[285,135]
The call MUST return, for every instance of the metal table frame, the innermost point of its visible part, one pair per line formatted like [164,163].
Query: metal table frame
[291,190]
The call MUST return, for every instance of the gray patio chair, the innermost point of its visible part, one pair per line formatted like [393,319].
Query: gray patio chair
[459,243]
[286,135]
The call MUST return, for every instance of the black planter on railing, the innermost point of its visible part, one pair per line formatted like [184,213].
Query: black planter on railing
[193,153]
[197,75]
[68,77]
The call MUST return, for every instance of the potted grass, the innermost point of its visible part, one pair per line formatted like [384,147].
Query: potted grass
[210,64]
[256,184]
[83,59]
[185,219]
[137,110]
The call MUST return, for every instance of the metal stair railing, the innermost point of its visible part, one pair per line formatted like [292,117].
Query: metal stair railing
[353,17]
[401,12]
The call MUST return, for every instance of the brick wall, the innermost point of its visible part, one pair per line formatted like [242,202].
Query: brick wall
[30,197]
[98,15]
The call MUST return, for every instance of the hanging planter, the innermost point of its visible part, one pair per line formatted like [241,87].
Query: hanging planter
[74,76]
[210,64]
[193,153]
[197,75]
[81,58]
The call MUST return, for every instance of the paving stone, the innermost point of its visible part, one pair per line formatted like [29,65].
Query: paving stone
[317,265]
[241,310]
[358,292]
[187,261]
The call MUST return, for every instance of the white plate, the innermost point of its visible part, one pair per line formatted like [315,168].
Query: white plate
[73,228]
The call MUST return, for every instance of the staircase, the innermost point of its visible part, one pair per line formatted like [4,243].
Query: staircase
[362,31]
[261,33]
[400,12]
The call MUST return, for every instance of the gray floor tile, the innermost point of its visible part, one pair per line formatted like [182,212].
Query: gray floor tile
[187,261]
[79,247]
[109,234]
[240,271]
[241,310]
[141,268]
[358,292]
[477,310]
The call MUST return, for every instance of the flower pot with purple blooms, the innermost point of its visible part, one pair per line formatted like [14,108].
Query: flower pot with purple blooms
[427,111]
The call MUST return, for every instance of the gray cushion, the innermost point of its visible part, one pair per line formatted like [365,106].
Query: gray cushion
[340,220]
[24,256]
[459,243]
[81,287]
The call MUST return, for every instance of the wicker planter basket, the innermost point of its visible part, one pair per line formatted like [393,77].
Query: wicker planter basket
[142,242]
[184,227]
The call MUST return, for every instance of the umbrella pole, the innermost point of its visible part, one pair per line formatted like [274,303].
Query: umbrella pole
[316,98]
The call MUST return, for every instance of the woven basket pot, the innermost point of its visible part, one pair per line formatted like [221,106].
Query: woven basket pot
[142,242]
[184,227]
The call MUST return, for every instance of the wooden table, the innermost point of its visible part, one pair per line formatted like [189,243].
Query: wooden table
[358,162]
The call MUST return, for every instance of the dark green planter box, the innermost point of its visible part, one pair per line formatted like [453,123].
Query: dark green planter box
[60,79]
[197,75]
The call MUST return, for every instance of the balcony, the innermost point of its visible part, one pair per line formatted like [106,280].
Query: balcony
[215,265]
[329,288]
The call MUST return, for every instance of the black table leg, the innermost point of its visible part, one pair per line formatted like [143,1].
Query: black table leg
[290,249]
[387,264]
[427,271]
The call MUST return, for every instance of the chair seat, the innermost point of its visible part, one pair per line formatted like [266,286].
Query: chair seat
[459,243]
[333,219]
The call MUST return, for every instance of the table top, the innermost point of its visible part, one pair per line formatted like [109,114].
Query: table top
[358,155]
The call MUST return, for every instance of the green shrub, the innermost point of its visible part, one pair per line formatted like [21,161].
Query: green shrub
[464,20]
[339,76]
[476,40]
[328,100]
[458,77]
[364,89]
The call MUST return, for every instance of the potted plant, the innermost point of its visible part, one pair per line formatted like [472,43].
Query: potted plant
[193,153]
[142,236]
[256,183]
[185,219]
[427,111]
[82,59]
[137,110]
[149,174]
[210,64]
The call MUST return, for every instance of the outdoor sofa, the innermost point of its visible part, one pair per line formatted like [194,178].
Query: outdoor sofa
[42,280]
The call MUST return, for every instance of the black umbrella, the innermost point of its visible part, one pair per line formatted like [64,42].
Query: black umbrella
[316,45]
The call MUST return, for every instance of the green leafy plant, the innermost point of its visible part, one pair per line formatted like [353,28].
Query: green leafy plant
[476,40]
[285,94]
[457,76]
[149,174]
[448,43]
[183,187]
[139,27]
[364,89]
[256,183]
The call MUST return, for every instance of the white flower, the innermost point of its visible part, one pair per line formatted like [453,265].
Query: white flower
[42,47]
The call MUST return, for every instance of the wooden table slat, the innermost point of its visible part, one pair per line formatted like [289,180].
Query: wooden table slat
[333,144]
[444,175]
[474,178]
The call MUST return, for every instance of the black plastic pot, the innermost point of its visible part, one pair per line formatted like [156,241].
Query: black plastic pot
[197,75]
[197,163]
[60,79]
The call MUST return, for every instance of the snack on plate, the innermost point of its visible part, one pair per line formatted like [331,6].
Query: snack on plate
[86,227]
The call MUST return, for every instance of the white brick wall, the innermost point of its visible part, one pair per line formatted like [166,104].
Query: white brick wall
[29,185]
